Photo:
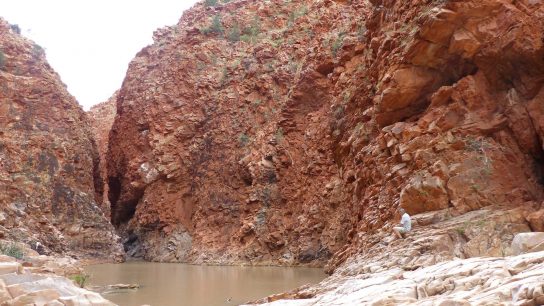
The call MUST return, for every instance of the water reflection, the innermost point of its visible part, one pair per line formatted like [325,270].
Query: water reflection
[164,284]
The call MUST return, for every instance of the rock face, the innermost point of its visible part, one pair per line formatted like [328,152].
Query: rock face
[290,131]
[49,179]
[476,281]
[221,150]
[101,118]
[528,242]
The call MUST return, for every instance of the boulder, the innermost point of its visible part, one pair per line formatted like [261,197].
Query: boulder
[528,242]
[4,293]
[10,267]
[34,298]
[536,220]
[88,299]
[424,193]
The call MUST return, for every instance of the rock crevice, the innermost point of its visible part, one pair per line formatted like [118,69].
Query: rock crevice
[51,188]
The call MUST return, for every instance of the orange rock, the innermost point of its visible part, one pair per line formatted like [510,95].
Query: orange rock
[101,118]
[49,175]
[536,220]
[303,140]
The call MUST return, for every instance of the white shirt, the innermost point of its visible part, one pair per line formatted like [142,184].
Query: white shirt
[406,222]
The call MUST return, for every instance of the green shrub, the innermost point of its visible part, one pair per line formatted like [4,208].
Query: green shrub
[2,60]
[460,231]
[247,38]
[234,33]
[37,50]
[215,28]
[80,279]
[12,249]
[294,15]
[337,44]
[361,32]
[255,28]
[224,77]
[251,33]
[15,28]
[210,3]
[279,135]
[244,139]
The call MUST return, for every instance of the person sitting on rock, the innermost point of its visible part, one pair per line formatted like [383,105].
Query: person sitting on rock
[406,224]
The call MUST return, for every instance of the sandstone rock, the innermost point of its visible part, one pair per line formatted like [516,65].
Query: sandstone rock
[220,167]
[40,297]
[10,267]
[528,242]
[43,288]
[5,258]
[4,293]
[101,119]
[224,149]
[536,220]
[90,299]
[408,86]
[475,281]
[424,193]
[48,160]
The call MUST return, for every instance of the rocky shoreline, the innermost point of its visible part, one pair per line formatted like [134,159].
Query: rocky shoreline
[44,281]
[515,280]
[487,257]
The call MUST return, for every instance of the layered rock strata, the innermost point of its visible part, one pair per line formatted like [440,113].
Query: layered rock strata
[101,118]
[287,132]
[49,175]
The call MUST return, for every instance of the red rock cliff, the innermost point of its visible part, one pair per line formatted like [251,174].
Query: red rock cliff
[290,131]
[48,161]
[101,118]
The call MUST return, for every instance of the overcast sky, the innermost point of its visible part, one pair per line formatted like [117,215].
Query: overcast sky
[90,42]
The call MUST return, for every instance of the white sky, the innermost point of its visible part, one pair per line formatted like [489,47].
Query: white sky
[90,42]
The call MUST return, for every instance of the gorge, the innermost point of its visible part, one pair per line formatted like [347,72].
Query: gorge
[290,133]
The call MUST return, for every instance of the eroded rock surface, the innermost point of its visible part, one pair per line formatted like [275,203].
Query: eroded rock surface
[221,150]
[476,281]
[49,179]
[40,280]
[438,263]
[101,118]
[286,132]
